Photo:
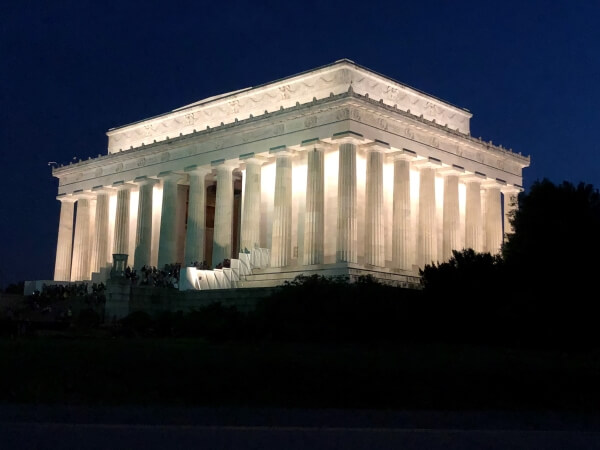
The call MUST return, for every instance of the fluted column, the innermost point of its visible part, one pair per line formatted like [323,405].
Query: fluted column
[80,267]
[401,213]
[64,245]
[451,218]
[251,213]
[223,231]
[346,218]
[374,224]
[196,220]
[167,244]
[143,233]
[427,220]
[473,223]
[121,234]
[314,218]
[510,204]
[100,255]
[493,220]
[281,241]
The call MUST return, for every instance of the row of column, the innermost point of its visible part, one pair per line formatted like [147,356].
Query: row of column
[89,251]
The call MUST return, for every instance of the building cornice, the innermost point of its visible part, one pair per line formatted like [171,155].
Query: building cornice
[258,121]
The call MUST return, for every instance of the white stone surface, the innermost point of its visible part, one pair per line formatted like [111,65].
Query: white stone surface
[401,232]
[64,246]
[473,221]
[314,222]
[196,220]
[223,215]
[121,239]
[251,208]
[167,247]
[80,267]
[143,237]
[374,218]
[493,220]
[451,217]
[427,242]
[100,248]
[346,217]
[281,242]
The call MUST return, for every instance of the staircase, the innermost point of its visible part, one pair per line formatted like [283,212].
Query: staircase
[232,277]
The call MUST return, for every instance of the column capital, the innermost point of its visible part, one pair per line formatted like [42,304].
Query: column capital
[194,169]
[121,185]
[348,137]
[490,183]
[66,198]
[280,151]
[404,154]
[511,189]
[376,146]
[221,164]
[252,158]
[100,189]
[316,144]
[470,177]
[452,170]
[83,195]
[144,180]
[429,163]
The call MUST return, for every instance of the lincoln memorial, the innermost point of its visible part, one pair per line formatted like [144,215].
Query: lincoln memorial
[337,171]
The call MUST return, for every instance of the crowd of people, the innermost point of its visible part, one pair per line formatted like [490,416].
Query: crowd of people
[205,266]
[151,276]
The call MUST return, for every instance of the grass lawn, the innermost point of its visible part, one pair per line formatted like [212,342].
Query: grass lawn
[194,372]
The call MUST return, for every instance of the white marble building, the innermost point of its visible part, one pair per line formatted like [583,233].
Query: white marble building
[338,170]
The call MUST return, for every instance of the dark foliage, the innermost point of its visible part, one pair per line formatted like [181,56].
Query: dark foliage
[556,242]
[15,288]
[542,291]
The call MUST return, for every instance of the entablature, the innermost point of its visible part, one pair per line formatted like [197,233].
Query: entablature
[320,119]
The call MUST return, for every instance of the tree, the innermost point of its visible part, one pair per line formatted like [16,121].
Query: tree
[556,239]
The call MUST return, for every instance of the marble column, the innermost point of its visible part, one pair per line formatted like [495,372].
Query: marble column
[401,214]
[451,217]
[473,223]
[346,217]
[167,244]
[196,220]
[510,205]
[493,220]
[121,234]
[223,231]
[374,224]
[100,255]
[64,246]
[427,217]
[80,267]
[143,233]
[251,213]
[314,218]
[281,241]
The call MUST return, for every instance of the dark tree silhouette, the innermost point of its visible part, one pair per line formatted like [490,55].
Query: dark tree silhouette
[556,243]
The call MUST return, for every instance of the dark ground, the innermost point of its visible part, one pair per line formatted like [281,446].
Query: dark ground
[193,372]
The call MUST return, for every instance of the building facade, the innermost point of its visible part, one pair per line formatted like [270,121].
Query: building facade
[335,170]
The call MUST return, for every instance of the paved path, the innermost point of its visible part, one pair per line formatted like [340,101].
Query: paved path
[23,427]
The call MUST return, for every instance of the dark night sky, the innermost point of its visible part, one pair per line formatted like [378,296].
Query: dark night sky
[70,70]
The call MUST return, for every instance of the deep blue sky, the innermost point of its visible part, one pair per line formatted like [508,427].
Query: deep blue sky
[70,70]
